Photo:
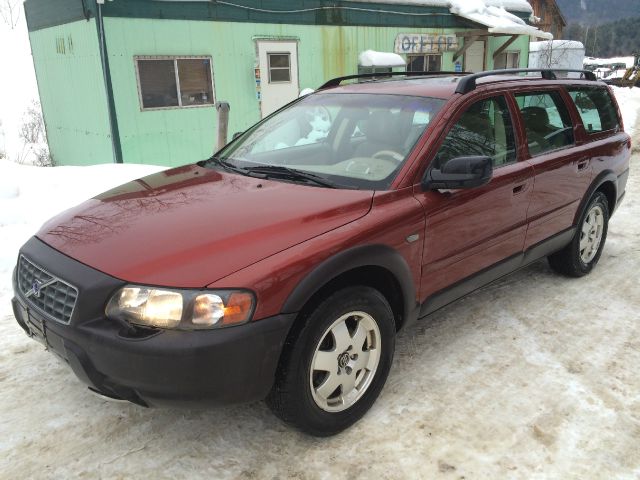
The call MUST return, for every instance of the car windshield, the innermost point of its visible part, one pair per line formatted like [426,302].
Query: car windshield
[355,141]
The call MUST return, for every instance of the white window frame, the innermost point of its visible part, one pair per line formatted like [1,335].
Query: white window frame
[269,68]
[507,53]
[175,59]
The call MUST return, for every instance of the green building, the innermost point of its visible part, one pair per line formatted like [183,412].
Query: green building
[136,81]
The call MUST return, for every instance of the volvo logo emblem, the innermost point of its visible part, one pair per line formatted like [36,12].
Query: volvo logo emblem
[36,288]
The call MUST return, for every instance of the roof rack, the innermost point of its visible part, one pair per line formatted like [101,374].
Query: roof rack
[468,83]
[335,82]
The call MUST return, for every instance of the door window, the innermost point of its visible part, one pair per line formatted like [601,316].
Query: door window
[279,67]
[596,109]
[546,120]
[485,129]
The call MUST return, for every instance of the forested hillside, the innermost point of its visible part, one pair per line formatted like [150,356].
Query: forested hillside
[597,11]
[610,28]
[618,38]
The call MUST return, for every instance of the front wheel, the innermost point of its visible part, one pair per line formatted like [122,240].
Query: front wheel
[582,254]
[336,365]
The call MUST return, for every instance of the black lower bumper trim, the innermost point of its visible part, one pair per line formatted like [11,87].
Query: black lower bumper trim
[161,367]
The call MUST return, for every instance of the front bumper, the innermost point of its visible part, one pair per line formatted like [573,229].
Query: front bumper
[151,367]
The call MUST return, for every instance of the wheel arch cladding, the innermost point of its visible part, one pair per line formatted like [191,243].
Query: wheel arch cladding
[377,266]
[606,183]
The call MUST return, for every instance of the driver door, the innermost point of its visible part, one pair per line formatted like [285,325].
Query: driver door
[470,230]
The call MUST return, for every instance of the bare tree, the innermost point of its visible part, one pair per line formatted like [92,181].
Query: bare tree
[34,136]
[10,12]
[3,154]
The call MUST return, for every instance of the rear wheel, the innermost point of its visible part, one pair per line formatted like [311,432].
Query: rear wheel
[336,366]
[582,254]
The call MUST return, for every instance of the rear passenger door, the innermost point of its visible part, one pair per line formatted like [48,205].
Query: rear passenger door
[562,174]
[472,229]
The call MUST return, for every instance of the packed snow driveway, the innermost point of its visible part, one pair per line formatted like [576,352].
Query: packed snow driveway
[532,377]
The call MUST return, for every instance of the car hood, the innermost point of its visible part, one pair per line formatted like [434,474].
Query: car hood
[190,226]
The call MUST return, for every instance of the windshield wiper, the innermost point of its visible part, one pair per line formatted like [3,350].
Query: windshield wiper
[231,167]
[292,174]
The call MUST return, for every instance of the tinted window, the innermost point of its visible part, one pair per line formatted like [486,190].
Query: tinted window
[546,120]
[356,140]
[175,82]
[596,109]
[485,129]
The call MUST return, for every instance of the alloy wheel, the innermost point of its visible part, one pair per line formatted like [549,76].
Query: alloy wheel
[345,361]
[591,234]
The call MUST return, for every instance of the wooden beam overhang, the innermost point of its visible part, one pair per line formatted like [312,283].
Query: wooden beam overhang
[504,46]
[467,43]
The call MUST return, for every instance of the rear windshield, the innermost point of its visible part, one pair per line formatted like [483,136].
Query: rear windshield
[596,109]
[353,140]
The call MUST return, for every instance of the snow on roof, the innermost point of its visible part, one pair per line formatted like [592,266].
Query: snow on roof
[496,18]
[555,45]
[370,58]
[628,61]
[513,5]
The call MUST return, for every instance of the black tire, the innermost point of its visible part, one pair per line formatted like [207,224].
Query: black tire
[292,399]
[568,261]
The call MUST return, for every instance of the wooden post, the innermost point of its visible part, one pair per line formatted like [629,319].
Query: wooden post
[223,122]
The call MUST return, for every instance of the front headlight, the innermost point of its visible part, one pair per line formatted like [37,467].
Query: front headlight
[181,309]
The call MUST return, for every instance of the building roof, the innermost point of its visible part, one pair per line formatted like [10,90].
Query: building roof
[513,5]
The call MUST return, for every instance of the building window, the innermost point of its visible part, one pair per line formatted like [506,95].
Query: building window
[174,82]
[507,60]
[424,63]
[279,67]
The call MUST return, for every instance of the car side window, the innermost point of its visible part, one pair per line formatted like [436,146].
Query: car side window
[596,109]
[546,120]
[484,129]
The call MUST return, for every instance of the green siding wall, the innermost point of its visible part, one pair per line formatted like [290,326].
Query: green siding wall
[69,74]
[179,136]
[74,101]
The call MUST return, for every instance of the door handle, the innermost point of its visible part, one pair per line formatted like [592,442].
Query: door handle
[583,164]
[518,189]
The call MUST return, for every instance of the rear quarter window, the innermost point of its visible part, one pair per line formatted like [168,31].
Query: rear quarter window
[546,121]
[596,109]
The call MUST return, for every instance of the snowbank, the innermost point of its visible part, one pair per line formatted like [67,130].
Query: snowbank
[31,195]
[370,58]
[629,102]
[627,61]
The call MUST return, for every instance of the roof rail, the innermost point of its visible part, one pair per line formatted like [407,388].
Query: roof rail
[335,82]
[468,84]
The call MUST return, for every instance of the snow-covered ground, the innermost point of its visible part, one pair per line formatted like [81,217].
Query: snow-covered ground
[532,377]
[31,195]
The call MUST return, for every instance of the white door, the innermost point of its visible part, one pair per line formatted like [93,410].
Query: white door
[474,58]
[278,74]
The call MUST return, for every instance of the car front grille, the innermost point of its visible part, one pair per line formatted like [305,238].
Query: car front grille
[46,292]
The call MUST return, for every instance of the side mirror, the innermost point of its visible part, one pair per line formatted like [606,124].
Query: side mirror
[236,135]
[461,172]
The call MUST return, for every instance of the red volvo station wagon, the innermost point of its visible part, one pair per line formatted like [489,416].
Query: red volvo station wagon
[283,266]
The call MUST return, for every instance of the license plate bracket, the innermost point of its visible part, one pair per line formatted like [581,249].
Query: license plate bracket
[37,327]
